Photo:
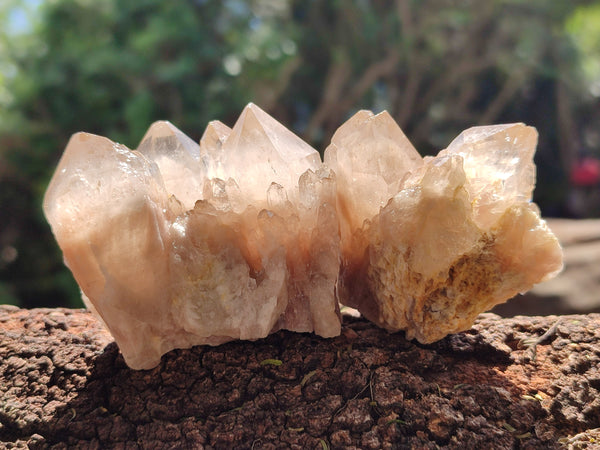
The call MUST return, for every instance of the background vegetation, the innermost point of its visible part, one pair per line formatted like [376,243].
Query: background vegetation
[438,66]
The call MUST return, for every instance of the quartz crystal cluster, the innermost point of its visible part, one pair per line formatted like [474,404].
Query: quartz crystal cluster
[177,244]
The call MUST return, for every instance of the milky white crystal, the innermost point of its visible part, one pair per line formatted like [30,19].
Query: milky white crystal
[178,244]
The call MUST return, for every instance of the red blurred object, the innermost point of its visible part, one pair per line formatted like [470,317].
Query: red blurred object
[586,172]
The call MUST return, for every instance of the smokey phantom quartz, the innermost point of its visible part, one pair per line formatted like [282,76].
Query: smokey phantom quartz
[177,244]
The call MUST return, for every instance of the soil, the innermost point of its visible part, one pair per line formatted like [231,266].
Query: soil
[63,384]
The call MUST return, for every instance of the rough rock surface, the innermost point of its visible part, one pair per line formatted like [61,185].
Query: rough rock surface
[65,385]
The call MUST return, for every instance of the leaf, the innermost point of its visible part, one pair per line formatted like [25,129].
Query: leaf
[271,362]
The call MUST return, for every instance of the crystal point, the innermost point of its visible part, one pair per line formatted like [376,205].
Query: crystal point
[369,154]
[211,148]
[498,160]
[260,151]
[178,159]
[177,244]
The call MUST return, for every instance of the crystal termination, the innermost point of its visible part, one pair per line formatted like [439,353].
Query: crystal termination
[177,244]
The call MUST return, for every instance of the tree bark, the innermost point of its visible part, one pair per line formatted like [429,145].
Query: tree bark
[525,382]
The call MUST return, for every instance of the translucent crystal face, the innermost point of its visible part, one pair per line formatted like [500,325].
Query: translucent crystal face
[498,161]
[178,159]
[178,244]
[370,156]
[211,148]
[260,151]
[109,211]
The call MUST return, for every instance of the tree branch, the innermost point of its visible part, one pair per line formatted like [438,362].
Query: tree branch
[338,73]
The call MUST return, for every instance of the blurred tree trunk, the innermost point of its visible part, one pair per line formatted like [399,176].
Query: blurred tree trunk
[567,130]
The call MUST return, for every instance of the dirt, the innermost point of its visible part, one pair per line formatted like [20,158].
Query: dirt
[63,384]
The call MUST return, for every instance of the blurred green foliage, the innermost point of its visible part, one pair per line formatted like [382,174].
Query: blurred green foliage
[439,66]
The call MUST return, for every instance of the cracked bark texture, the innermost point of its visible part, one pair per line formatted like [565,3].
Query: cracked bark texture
[63,384]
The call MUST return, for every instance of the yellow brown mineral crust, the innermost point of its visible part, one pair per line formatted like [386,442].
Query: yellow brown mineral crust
[177,244]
